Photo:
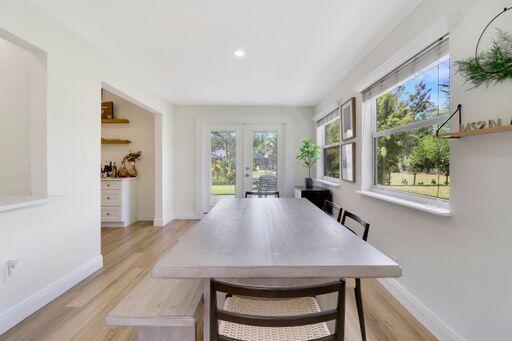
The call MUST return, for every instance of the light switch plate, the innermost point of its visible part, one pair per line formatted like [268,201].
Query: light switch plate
[24,168]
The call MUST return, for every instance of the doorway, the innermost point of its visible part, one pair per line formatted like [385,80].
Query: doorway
[239,158]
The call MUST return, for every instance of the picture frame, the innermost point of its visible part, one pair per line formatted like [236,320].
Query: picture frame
[348,119]
[107,110]
[348,162]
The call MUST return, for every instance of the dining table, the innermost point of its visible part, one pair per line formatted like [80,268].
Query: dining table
[271,241]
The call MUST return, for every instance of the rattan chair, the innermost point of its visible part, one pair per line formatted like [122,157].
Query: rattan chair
[357,290]
[275,313]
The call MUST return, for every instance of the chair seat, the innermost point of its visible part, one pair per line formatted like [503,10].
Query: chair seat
[268,307]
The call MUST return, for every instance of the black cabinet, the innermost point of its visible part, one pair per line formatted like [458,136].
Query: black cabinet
[317,195]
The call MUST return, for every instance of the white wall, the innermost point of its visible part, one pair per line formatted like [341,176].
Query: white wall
[141,132]
[185,144]
[19,69]
[457,267]
[59,242]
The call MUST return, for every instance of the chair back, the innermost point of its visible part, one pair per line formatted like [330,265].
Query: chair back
[262,194]
[337,314]
[357,219]
[333,210]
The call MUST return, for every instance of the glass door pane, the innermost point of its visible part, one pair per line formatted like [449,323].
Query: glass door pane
[264,161]
[222,165]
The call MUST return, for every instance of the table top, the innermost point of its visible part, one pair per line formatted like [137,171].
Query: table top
[272,238]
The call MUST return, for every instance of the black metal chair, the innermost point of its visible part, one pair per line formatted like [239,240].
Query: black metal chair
[251,306]
[262,194]
[330,208]
[357,289]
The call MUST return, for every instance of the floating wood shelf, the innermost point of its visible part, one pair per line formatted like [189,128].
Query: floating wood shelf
[478,132]
[114,120]
[115,141]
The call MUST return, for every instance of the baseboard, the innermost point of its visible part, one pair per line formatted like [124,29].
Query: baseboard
[164,221]
[427,317]
[187,215]
[25,308]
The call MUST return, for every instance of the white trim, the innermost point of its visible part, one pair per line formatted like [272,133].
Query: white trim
[435,31]
[164,221]
[187,215]
[437,210]
[22,310]
[14,203]
[427,317]
[327,182]
[328,109]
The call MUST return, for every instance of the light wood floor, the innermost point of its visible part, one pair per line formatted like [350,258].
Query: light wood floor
[128,255]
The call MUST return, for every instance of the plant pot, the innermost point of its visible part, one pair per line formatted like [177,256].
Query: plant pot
[309,183]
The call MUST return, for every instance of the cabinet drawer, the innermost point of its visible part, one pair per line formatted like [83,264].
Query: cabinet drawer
[111,214]
[111,197]
[111,184]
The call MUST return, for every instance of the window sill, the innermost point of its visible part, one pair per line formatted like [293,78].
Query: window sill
[443,212]
[9,203]
[327,182]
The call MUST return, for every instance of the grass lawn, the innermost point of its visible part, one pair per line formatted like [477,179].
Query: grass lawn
[397,178]
[223,190]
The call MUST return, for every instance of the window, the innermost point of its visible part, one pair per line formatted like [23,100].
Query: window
[328,138]
[23,128]
[407,106]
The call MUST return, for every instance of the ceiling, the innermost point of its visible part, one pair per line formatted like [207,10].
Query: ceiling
[296,50]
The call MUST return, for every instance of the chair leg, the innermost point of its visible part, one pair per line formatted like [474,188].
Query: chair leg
[360,312]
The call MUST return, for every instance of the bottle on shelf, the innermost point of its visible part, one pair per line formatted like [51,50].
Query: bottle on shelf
[114,170]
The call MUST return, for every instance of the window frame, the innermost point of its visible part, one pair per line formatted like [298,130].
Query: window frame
[371,109]
[321,142]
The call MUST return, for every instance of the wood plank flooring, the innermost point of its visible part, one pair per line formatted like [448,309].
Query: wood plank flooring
[128,255]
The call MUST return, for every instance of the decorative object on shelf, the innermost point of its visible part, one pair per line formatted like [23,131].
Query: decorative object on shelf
[348,161]
[308,154]
[123,171]
[472,128]
[348,119]
[107,110]
[493,65]
[130,158]
[114,120]
[114,141]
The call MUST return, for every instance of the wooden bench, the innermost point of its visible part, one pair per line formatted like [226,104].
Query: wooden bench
[162,309]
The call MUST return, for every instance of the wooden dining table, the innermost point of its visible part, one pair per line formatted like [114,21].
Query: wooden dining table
[271,241]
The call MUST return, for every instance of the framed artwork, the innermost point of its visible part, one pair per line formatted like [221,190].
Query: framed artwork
[348,162]
[348,119]
[107,110]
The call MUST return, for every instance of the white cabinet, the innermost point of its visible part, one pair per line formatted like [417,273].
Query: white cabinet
[119,202]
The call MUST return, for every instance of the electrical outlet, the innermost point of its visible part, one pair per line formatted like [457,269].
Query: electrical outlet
[11,270]
[24,168]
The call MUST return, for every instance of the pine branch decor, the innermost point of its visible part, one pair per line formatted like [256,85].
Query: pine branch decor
[491,66]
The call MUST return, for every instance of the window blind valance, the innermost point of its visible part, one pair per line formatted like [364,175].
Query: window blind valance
[329,117]
[429,56]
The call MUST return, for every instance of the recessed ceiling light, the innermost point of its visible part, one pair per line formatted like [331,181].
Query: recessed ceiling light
[239,53]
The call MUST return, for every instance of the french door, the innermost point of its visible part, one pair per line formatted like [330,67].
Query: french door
[240,158]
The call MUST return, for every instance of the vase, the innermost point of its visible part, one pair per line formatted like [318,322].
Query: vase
[309,183]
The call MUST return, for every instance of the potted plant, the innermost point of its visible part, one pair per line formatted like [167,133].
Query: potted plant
[308,154]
